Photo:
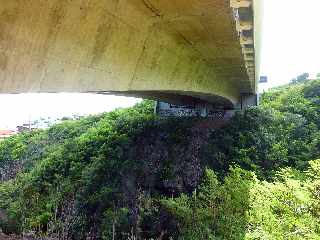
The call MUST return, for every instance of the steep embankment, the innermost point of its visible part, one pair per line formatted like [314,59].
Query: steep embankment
[11,237]
[129,175]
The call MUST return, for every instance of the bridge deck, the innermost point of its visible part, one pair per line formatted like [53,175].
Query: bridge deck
[168,49]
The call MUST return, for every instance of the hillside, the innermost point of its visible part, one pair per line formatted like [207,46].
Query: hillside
[128,174]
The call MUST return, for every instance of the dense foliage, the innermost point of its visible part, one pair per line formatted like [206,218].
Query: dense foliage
[128,174]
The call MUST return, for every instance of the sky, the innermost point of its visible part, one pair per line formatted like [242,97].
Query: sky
[24,108]
[290,46]
[290,40]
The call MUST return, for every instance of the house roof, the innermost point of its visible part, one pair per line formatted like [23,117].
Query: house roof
[6,133]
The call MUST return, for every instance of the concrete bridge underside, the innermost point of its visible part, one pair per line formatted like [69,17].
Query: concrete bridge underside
[174,50]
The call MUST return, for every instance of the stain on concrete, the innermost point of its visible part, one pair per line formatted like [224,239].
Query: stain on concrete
[3,61]
[84,9]
[102,40]
[7,18]
[56,17]
[57,14]
[1,33]
[109,21]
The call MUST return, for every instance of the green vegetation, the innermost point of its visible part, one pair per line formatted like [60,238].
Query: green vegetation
[130,175]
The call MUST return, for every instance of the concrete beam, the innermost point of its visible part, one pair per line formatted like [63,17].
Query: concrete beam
[240,3]
[161,49]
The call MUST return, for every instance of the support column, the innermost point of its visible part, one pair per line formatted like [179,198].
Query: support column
[203,110]
[248,100]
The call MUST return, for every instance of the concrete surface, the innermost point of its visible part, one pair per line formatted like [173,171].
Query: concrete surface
[174,50]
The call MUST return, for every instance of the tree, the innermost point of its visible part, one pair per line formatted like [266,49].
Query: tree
[301,78]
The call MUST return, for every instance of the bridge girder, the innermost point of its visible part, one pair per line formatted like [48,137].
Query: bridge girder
[173,50]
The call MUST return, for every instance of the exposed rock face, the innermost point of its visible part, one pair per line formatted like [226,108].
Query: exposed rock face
[172,164]
[10,170]
[11,237]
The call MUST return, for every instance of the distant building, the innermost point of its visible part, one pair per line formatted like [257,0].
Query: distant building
[26,127]
[6,133]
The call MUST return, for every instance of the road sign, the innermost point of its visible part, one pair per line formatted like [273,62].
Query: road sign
[263,79]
